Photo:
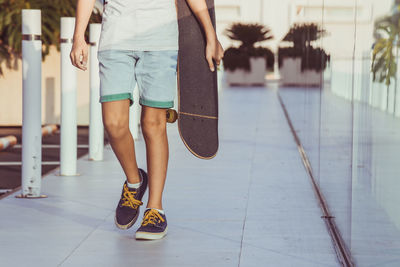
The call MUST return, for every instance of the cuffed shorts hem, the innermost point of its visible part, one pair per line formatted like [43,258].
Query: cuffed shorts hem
[156,104]
[106,98]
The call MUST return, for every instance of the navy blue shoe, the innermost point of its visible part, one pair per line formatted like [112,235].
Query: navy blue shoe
[154,225]
[127,210]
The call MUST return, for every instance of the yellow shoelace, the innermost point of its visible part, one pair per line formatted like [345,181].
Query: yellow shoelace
[152,217]
[129,198]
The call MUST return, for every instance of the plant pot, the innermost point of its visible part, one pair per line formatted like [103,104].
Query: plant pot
[291,74]
[256,75]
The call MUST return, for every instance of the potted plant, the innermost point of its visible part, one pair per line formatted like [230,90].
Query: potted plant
[301,63]
[248,64]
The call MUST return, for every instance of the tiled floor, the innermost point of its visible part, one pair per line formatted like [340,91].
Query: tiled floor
[252,205]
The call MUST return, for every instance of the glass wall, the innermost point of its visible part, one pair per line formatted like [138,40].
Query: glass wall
[347,116]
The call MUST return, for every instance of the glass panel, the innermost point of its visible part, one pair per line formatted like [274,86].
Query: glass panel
[375,235]
[336,114]
[347,121]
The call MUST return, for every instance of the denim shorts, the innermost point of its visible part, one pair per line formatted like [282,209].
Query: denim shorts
[153,71]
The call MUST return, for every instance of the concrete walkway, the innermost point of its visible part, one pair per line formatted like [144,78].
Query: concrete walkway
[252,205]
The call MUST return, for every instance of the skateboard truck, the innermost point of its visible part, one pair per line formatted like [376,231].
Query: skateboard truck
[172,115]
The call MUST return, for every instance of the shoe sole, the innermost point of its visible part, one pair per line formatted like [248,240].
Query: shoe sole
[130,224]
[150,236]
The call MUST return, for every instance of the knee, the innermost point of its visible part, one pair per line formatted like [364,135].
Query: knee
[153,127]
[116,127]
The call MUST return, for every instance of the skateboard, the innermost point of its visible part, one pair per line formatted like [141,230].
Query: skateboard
[197,86]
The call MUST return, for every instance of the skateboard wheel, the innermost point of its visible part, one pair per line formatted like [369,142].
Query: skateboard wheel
[172,115]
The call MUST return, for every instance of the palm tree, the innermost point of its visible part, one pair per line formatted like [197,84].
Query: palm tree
[385,52]
[10,25]
[383,57]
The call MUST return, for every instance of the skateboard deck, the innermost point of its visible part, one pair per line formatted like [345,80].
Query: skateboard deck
[197,86]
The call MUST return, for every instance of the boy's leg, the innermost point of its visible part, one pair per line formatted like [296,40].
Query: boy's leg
[116,122]
[116,86]
[153,124]
[156,78]
[117,80]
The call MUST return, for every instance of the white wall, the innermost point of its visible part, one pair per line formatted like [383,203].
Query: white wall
[11,93]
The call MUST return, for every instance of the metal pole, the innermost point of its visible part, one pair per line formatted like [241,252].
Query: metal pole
[134,115]
[96,129]
[68,123]
[220,75]
[31,174]
[395,78]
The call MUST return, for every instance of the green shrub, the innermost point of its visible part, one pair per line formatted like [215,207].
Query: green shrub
[248,35]
[301,36]
[234,58]
[267,53]
[313,59]
[386,47]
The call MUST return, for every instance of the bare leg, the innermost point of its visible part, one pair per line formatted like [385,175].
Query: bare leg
[116,123]
[155,136]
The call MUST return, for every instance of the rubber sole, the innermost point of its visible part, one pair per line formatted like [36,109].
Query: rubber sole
[150,236]
[129,225]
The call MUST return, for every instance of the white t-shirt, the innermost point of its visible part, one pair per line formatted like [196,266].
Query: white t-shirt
[144,25]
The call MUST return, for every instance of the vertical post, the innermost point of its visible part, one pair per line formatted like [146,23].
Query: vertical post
[96,129]
[31,173]
[134,114]
[68,129]
[396,82]
[220,76]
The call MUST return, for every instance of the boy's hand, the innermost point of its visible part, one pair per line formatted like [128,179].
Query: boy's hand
[214,51]
[79,53]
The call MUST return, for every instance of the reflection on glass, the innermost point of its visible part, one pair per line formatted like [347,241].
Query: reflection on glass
[338,67]
[376,144]
[349,124]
